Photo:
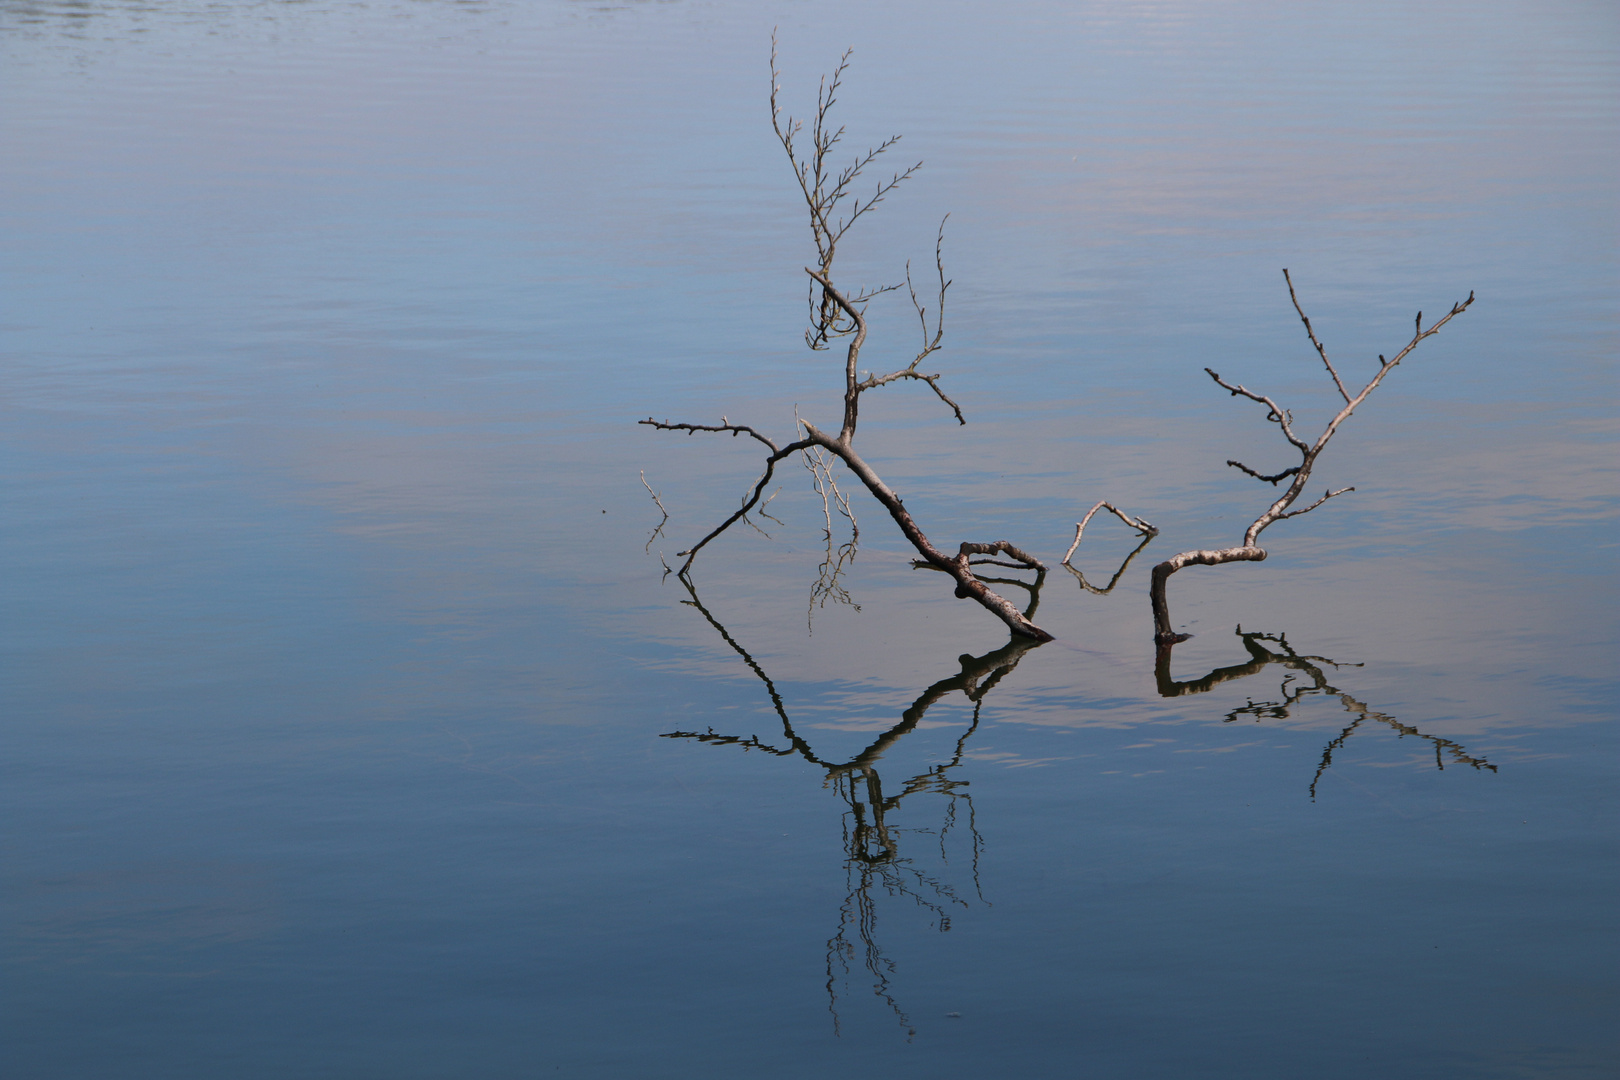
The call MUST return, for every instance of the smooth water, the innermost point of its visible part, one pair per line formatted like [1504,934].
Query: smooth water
[352,728]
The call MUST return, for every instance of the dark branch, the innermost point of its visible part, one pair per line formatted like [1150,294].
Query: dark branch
[1285,474]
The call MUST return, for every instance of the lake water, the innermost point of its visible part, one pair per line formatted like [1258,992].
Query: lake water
[353,729]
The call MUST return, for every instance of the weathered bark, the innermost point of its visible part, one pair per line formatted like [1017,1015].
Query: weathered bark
[1163,633]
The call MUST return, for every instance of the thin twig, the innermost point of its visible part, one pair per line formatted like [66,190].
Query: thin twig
[1320,351]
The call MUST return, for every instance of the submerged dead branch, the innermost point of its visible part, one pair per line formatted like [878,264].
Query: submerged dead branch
[835,314]
[1279,510]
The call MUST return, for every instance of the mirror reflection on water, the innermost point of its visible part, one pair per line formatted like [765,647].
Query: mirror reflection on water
[356,725]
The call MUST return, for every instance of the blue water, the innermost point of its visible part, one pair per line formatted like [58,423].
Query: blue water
[353,729]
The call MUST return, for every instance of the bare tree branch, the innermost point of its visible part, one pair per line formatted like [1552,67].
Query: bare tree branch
[735,429]
[1274,412]
[1328,495]
[1285,474]
[839,314]
[759,487]
[967,585]
[823,191]
[1249,550]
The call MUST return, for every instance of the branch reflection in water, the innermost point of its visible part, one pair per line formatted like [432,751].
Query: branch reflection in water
[1292,690]
[1090,588]
[873,860]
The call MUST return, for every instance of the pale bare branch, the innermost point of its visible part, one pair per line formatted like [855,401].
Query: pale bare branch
[1314,505]
[1274,412]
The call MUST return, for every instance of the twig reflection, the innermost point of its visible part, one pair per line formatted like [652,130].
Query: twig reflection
[1090,588]
[873,859]
[1310,680]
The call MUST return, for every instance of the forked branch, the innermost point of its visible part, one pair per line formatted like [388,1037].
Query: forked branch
[1297,475]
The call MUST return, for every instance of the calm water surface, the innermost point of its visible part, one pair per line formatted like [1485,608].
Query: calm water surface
[352,728]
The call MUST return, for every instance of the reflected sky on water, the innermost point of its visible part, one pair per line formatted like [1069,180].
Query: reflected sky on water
[353,727]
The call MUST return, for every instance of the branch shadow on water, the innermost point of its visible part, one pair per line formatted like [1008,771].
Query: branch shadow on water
[1305,677]
[873,863]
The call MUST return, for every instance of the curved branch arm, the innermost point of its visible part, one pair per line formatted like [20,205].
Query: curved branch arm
[1163,632]
[873,381]
[1301,473]
[1325,497]
[930,344]
[1275,413]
